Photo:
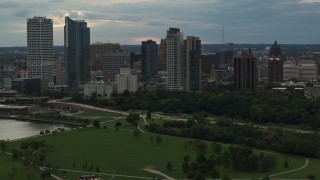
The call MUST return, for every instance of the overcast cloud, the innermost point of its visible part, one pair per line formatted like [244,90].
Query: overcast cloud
[131,21]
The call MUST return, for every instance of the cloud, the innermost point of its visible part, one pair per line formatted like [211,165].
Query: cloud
[127,21]
[138,40]
[8,5]
[22,13]
[309,1]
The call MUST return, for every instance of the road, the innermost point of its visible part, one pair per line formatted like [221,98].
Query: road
[87,106]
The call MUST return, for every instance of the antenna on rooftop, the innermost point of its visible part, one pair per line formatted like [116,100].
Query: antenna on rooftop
[222,34]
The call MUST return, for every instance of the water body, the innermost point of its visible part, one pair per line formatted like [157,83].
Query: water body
[14,129]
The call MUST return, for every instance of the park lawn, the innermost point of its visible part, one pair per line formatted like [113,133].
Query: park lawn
[124,124]
[312,168]
[7,163]
[121,153]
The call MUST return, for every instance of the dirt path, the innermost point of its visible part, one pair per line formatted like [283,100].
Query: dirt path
[286,172]
[159,173]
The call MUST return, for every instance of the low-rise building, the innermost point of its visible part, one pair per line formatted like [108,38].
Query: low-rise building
[305,70]
[126,80]
[28,86]
[99,87]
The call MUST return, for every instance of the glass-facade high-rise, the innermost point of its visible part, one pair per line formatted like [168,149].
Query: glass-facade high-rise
[77,52]
[40,50]
[245,72]
[149,59]
[193,65]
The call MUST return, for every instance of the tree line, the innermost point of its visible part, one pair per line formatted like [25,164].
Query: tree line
[236,158]
[260,106]
[227,132]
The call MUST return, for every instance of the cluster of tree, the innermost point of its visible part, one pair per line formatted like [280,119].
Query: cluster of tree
[88,168]
[31,152]
[227,132]
[54,132]
[96,123]
[133,118]
[3,145]
[157,140]
[236,158]
[55,117]
[243,159]
[259,106]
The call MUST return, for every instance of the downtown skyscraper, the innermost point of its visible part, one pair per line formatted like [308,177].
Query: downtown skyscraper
[175,60]
[40,50]
[245,71]
[149,59]
[193,65]
[77,53]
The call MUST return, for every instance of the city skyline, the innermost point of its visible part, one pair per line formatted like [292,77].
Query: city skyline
[130,22]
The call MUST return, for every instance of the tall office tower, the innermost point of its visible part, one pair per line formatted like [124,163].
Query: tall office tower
[275,69]
[175,60]
[149,59]
[112,62]
[76,53]
[162,55]
[1,75]
[98,50]
[223,63]
[245,72]
[40,50]
[275,64]
[317,61]
[193,63]
[275,50]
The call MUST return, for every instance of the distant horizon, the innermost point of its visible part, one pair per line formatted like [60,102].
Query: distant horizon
[202,44]
[129,22]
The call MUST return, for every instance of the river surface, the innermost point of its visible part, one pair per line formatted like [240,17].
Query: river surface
[14,129]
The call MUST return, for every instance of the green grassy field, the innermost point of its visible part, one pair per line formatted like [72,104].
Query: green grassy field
[121,153]
[312,168]
[7,163]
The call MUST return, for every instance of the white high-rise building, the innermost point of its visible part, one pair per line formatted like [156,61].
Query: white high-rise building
[175,60]
[40,50]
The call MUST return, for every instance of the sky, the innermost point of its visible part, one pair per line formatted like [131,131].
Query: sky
[132,21]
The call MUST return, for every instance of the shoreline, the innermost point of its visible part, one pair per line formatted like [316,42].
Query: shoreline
[40,120]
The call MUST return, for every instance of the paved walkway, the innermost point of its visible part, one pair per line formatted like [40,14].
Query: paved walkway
[159,173]
[106,174]
[89,107]
[286,172]
[41,168]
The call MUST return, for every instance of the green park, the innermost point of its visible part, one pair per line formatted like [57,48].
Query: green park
[116,150]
